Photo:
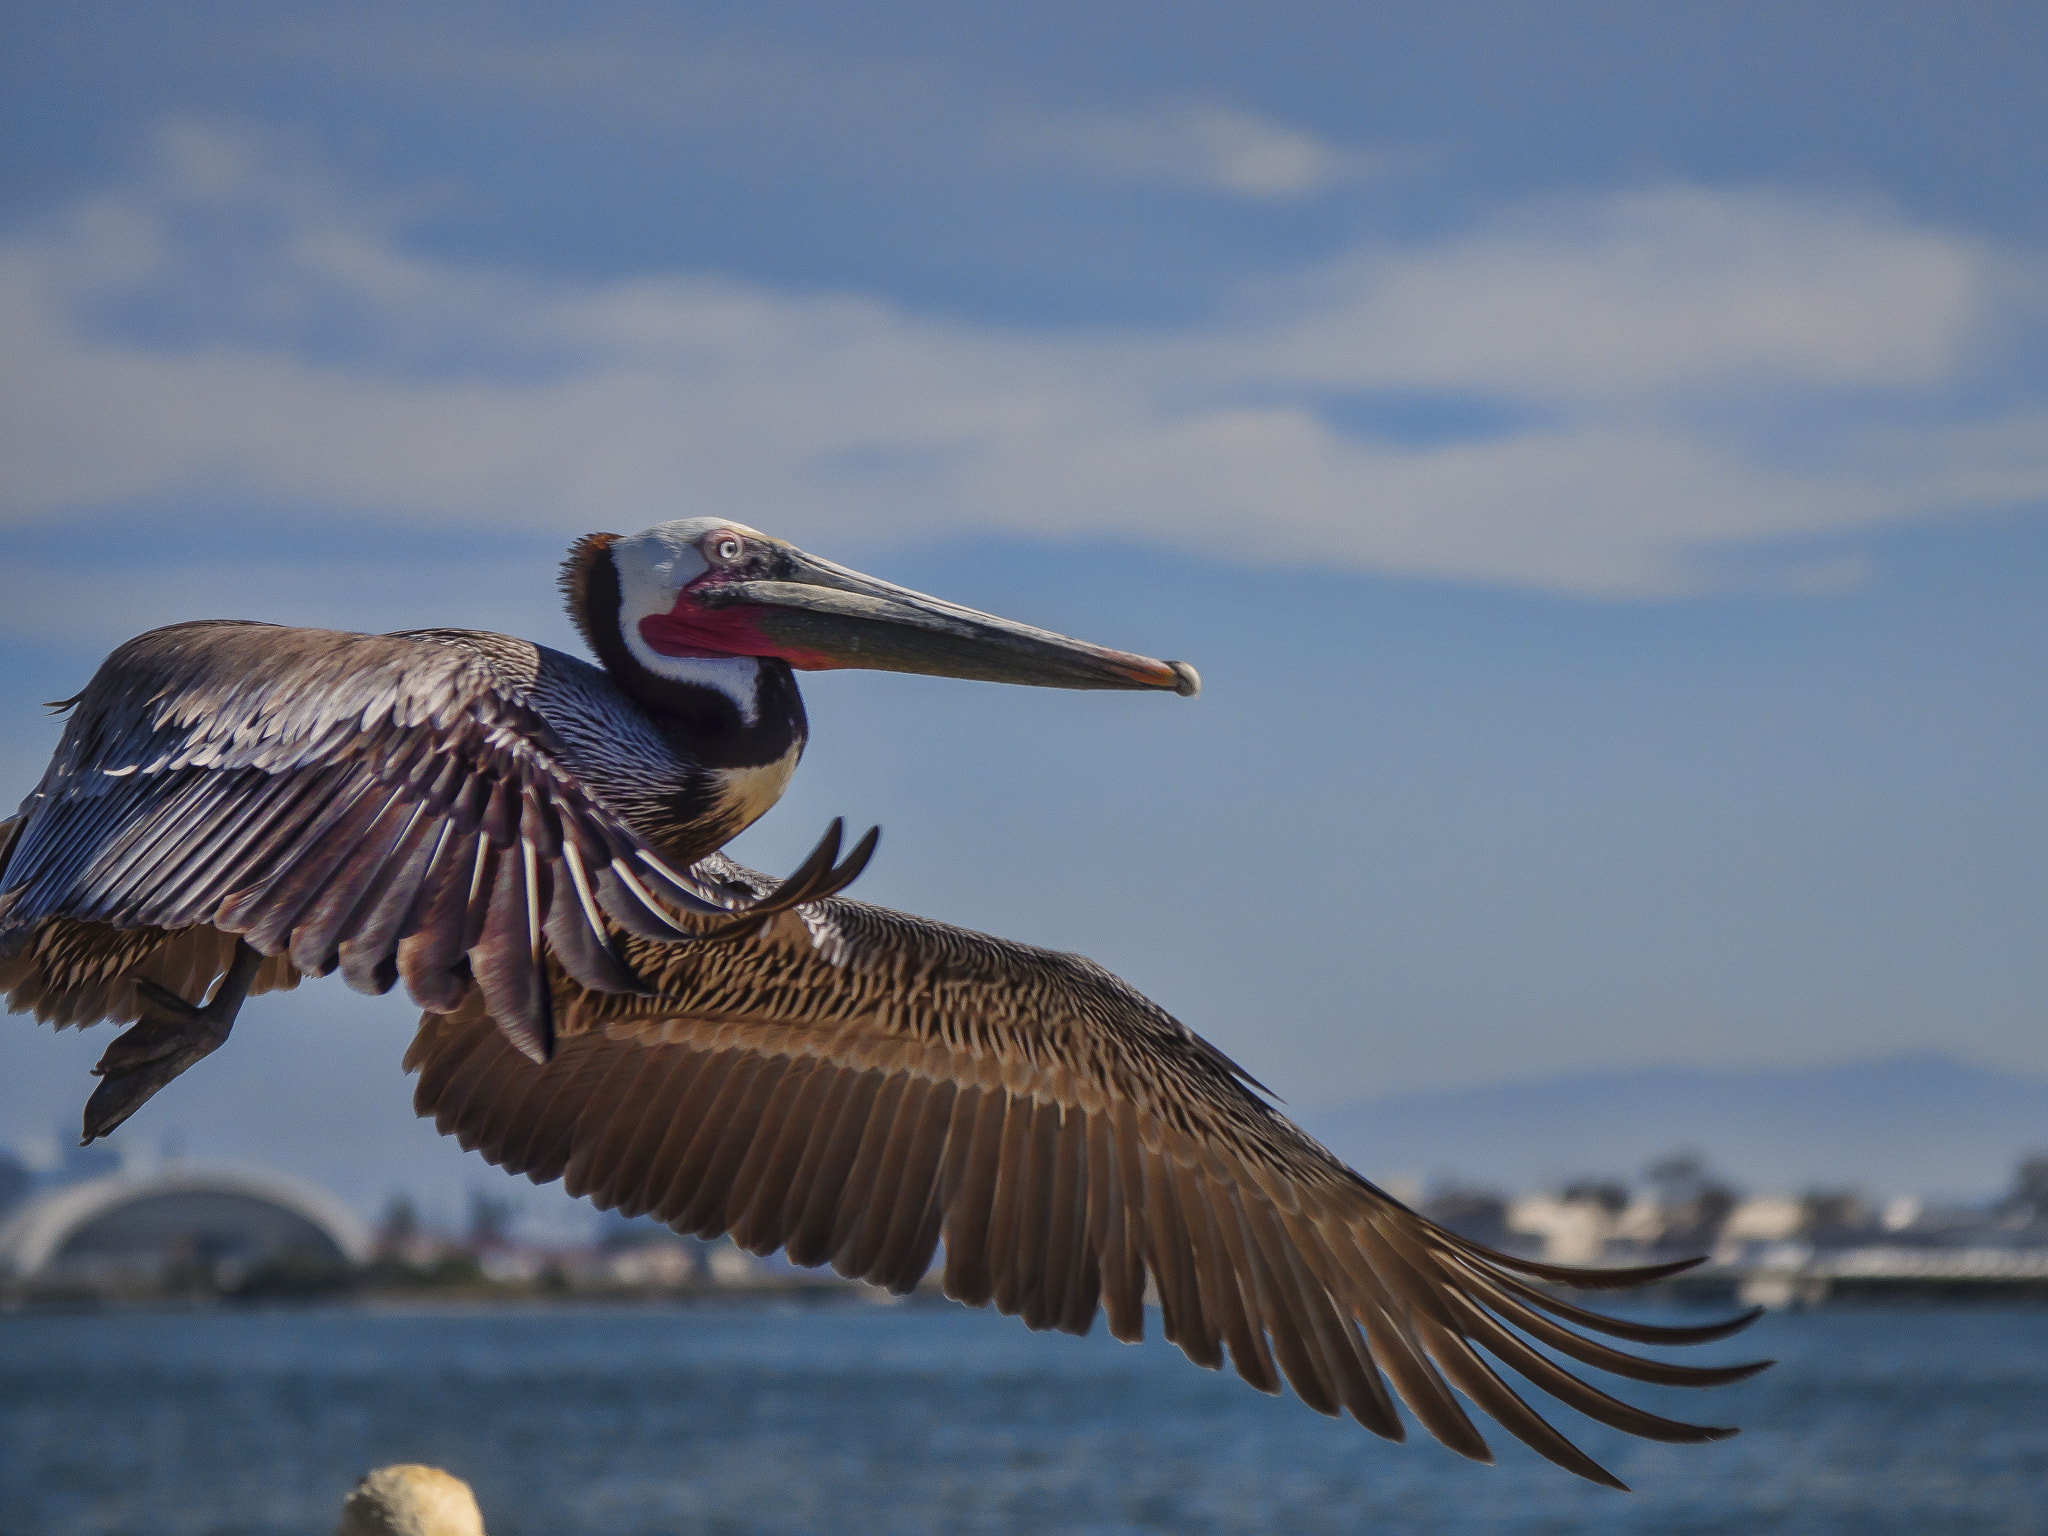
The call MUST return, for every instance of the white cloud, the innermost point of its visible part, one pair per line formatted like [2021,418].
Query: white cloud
[1635,345]
[1213,148]
[1675,287]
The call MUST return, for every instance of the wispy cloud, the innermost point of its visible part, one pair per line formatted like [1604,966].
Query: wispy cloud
[232,326]
[658,70]
[659,66]
[1212,148]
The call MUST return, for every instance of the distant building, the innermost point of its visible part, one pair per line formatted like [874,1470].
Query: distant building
[1477,1214]
[137,1230]
[1765,1219]
[732,1266]
[1578,1226]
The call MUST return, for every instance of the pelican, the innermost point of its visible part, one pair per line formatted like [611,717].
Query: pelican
[531,844]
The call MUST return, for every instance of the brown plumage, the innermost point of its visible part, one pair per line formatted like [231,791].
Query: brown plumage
[856,1086]
[863,1087]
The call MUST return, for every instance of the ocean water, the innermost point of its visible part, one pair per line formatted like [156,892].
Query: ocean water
[755,1417]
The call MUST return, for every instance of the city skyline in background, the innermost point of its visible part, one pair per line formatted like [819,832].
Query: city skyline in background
[1595,457]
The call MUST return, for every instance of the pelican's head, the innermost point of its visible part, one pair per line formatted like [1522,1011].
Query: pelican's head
[703,588]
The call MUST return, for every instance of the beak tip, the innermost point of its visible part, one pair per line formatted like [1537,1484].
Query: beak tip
[1190,683]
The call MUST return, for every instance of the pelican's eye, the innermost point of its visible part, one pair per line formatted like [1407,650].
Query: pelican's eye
[728,547]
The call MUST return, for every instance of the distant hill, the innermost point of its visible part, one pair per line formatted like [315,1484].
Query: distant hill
[1918,1123]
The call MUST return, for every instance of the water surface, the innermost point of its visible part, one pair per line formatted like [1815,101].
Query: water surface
[766,1418]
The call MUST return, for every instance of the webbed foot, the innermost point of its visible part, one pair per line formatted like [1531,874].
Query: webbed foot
[170,1036]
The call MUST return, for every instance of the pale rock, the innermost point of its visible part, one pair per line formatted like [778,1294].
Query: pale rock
[410,1500]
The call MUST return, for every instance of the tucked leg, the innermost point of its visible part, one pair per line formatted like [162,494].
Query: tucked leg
[169,1037]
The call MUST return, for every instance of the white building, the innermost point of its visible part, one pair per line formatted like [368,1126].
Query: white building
[130,1229]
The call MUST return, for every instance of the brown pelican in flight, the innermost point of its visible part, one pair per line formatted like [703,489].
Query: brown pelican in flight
[531,844]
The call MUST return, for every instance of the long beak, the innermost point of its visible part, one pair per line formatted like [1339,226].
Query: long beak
[823,615]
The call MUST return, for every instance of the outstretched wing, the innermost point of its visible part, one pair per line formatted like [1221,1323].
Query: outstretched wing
[858,1086]
[384,804]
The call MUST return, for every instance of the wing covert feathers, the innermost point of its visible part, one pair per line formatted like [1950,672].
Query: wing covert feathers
[1074,1149]
[393,806]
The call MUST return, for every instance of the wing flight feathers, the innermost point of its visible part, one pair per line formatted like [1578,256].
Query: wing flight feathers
[859,1102]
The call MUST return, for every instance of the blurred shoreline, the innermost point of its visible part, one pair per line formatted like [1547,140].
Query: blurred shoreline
[184,1236]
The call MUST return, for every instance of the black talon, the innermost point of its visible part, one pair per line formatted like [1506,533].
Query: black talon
[821,874]
[170,1036]
[164,998]
[797,885]
[855,862]
[815,879]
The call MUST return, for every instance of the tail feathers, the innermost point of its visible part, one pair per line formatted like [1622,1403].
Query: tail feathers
[71,974]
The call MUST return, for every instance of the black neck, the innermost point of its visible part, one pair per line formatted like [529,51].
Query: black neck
[702,721]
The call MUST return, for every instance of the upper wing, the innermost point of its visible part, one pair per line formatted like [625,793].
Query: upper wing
[857,1086]
[385,804]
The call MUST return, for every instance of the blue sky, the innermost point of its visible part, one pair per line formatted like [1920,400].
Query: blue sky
[1595,454]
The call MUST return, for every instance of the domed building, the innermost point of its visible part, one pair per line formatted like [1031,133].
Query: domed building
[125,1232]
